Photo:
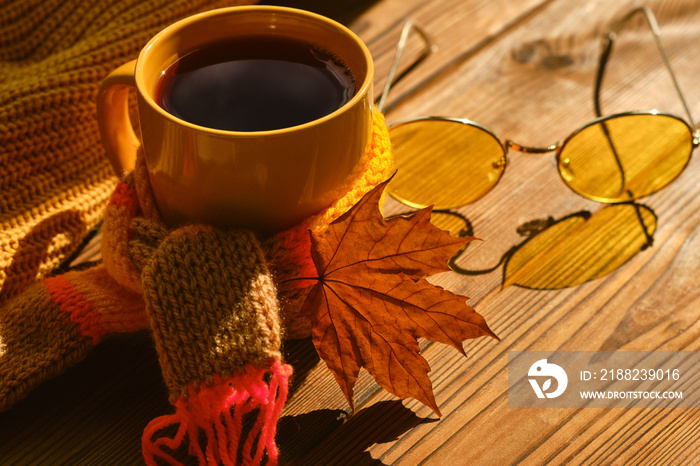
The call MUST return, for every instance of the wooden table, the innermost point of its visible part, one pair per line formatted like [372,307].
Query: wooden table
[525,69]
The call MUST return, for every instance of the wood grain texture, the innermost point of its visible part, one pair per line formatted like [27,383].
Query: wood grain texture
[525,69]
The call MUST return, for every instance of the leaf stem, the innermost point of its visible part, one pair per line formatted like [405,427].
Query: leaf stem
[298,279]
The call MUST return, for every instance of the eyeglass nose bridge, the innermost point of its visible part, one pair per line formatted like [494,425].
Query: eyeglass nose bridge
[531,150]
[510,144]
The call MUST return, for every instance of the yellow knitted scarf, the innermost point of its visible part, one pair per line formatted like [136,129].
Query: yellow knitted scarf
[54,178]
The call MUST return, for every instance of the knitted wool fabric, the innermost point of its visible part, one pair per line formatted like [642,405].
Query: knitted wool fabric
[197,279]
[287,253]
[55,180]
[53,324]
[213,310]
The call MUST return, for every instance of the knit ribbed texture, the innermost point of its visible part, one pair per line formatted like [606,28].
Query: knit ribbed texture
[213,309]
[287,253]
[37,352]
[209,297]
[53,324]
[55,179]
[210,300]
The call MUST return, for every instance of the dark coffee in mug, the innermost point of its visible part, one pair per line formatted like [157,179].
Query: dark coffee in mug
[255,84]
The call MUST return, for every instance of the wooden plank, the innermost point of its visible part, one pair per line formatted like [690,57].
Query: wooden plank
[649,303]
[526,70]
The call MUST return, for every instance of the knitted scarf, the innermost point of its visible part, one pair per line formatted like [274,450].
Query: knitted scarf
[54,178]
[219,304]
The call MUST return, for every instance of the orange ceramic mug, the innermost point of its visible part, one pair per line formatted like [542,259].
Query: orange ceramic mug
[265,180]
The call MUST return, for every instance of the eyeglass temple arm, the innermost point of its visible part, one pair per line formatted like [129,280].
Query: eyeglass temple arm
[400,46]
[607,49]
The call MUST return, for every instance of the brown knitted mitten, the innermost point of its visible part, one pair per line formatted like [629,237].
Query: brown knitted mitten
[213,309]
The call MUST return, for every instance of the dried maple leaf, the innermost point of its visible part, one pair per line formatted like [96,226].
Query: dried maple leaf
[371,301]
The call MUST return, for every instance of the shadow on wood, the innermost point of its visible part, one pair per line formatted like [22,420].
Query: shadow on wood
[382,422]
[88,402]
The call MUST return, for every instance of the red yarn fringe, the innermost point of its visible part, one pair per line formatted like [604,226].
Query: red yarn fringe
[217,411]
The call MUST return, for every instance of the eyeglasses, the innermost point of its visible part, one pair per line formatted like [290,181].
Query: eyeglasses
[613,159]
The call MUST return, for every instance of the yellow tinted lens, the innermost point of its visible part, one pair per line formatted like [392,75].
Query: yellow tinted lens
[626,157]
[446,163]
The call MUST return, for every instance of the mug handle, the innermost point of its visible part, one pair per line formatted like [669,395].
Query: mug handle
[116,130]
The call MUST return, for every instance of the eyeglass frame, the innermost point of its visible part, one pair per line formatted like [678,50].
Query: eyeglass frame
[607,45]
